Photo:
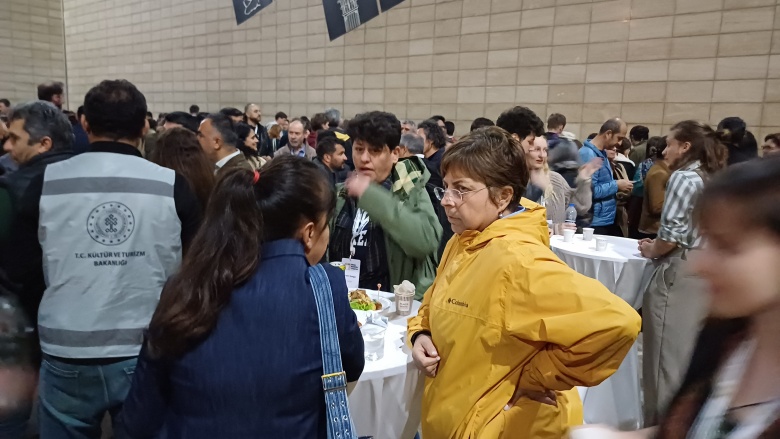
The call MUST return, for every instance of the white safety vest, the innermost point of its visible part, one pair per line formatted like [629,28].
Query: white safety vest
[111,238]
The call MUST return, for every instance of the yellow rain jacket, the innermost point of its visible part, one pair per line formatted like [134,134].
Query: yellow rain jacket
[504,312]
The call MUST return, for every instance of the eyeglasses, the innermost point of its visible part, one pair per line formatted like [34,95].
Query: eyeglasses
[455,195]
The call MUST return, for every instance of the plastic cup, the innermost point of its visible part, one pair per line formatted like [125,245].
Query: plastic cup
[568,235]
[587,234]
[601,244]
[374,341]
[403,303]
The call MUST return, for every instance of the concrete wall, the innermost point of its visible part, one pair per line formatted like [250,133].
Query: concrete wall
[32,47]
[654,62]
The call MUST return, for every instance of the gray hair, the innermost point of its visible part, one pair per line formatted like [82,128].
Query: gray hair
[43,119]
[413,143]
[410,123]
[225,127]
[334,117]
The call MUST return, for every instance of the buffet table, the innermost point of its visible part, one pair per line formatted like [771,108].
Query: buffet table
[618,400]
[386,402]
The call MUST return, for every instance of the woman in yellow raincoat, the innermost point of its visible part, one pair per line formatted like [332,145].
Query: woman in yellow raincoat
[507,330]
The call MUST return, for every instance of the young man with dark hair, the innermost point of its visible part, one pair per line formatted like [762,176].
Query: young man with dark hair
[113,227]
[52,92]
[233,113]
[435,143]
[180,119]
[638,136]
[384,217]
[481,122]
[441,121]
[218,138]
[555,125]
[334,119]
[450,127]
[194,110]
[330,157]
[524,126]
[5,107]
[771,145]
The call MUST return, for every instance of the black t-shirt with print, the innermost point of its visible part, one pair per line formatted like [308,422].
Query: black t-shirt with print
[355,230]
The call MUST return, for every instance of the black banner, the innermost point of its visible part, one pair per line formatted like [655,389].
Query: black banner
[246,9]
[387,4]
[343,16]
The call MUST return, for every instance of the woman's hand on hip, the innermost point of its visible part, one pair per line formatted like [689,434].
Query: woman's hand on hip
[425,355]
[547,397]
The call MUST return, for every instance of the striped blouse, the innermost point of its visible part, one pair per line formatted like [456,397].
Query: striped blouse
[683,190]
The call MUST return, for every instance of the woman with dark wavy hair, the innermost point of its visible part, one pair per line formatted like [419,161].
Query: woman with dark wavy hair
[248,145]
[233,349]
[179,149]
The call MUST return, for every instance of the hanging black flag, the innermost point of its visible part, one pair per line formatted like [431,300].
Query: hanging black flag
[387,4]
[343,16]
[245,9]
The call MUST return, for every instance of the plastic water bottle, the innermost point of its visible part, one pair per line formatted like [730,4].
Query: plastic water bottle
[571,214]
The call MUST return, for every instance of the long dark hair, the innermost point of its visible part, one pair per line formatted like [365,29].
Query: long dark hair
[707,145]
[179,149]
[225,253]
[244,131]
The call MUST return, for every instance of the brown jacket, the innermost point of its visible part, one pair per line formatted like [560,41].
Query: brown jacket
[238,161]
[653,201]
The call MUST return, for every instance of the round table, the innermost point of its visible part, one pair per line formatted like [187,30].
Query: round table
[625,272]
[386,402]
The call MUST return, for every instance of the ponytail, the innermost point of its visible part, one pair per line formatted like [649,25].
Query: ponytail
[224,253]
[246,209]
[707,145]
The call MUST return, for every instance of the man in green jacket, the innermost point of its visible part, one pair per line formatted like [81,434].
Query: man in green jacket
[384,217]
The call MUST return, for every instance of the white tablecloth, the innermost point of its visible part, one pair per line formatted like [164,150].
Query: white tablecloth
[618,400]
[386,402]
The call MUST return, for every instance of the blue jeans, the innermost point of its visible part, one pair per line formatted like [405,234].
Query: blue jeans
[75,398]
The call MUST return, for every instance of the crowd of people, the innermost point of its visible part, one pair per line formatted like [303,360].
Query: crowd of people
[159,271]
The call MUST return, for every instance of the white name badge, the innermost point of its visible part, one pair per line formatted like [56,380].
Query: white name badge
[352,273]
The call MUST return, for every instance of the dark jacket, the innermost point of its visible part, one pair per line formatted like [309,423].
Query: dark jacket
[17,248]
[563,157]
[326,171]
[18,182]
[21,256]
[743,151]
[257,375]
[433,163]
[81,140]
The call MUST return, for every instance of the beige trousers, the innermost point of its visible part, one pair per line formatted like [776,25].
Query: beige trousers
[674,308]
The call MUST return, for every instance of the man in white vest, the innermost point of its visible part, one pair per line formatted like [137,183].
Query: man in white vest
[112,229]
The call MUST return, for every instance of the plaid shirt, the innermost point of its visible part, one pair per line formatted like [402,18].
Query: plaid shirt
[682,191]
